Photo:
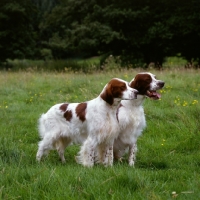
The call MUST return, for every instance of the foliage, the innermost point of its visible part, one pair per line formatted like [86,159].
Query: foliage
[168,159]
[17,38]
[46,54]
[86,65]
[137,31]
[105,63]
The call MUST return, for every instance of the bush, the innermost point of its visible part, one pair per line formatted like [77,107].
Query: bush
[51,65]
[46,54]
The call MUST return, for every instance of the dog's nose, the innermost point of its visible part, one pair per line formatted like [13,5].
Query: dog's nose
[136,92]
[161,83]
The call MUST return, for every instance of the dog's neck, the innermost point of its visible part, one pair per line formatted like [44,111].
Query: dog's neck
[114,105]
[135,102]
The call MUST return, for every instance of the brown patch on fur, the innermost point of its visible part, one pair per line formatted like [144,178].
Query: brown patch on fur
[106,96]
[81,111]
[113,90]
[67,113]
[63,107]
[141,83]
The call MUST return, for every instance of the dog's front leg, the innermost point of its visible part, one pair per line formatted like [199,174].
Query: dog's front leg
[108,156]
[86,154]
[132,154]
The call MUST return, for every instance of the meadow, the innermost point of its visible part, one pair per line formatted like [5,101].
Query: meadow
[168,160]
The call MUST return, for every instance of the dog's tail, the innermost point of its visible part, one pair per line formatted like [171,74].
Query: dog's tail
[48,124]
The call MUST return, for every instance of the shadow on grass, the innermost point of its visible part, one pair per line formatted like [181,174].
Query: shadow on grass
[9,156]
[127,182]
[155,165]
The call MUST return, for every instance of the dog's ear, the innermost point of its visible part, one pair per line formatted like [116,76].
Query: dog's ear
[134,83]
[107,95]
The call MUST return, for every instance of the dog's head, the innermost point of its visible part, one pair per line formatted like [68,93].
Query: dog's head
[147,85]
[116,90]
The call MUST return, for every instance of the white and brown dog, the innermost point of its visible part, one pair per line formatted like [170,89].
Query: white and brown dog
[131,116]
[93,121]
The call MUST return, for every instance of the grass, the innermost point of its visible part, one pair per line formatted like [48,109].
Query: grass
[174,62]
[168,161]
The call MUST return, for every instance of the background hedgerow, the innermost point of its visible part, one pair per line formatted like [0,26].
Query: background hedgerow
[168,160]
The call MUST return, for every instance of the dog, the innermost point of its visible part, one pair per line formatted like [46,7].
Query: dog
[93,121]
[131,117]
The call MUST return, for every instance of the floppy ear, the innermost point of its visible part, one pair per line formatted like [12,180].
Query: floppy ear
[134,83]
[107,94]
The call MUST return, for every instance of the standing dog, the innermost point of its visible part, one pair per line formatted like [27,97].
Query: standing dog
[95,120]
[130,115]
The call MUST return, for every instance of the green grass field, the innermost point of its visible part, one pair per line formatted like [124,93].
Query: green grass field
[168,160]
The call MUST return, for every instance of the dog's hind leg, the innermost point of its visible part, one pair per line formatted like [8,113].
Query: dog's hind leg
[61,145]
[43,147]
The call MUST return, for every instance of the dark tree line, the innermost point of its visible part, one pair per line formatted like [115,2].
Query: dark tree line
[140,31]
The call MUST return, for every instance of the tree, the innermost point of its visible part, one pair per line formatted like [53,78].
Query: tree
[186,30]
[138,31]
[16,31]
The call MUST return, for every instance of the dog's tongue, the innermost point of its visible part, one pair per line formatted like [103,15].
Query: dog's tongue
[154,95]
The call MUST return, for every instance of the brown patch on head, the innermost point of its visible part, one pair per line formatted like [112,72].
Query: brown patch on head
[81,111]
[141,83]
[67,113]
[114,89]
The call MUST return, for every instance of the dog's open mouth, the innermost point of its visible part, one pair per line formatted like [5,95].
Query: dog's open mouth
[153,95]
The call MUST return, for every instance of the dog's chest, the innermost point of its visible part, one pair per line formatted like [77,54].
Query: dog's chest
[137,114]
[133,118]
